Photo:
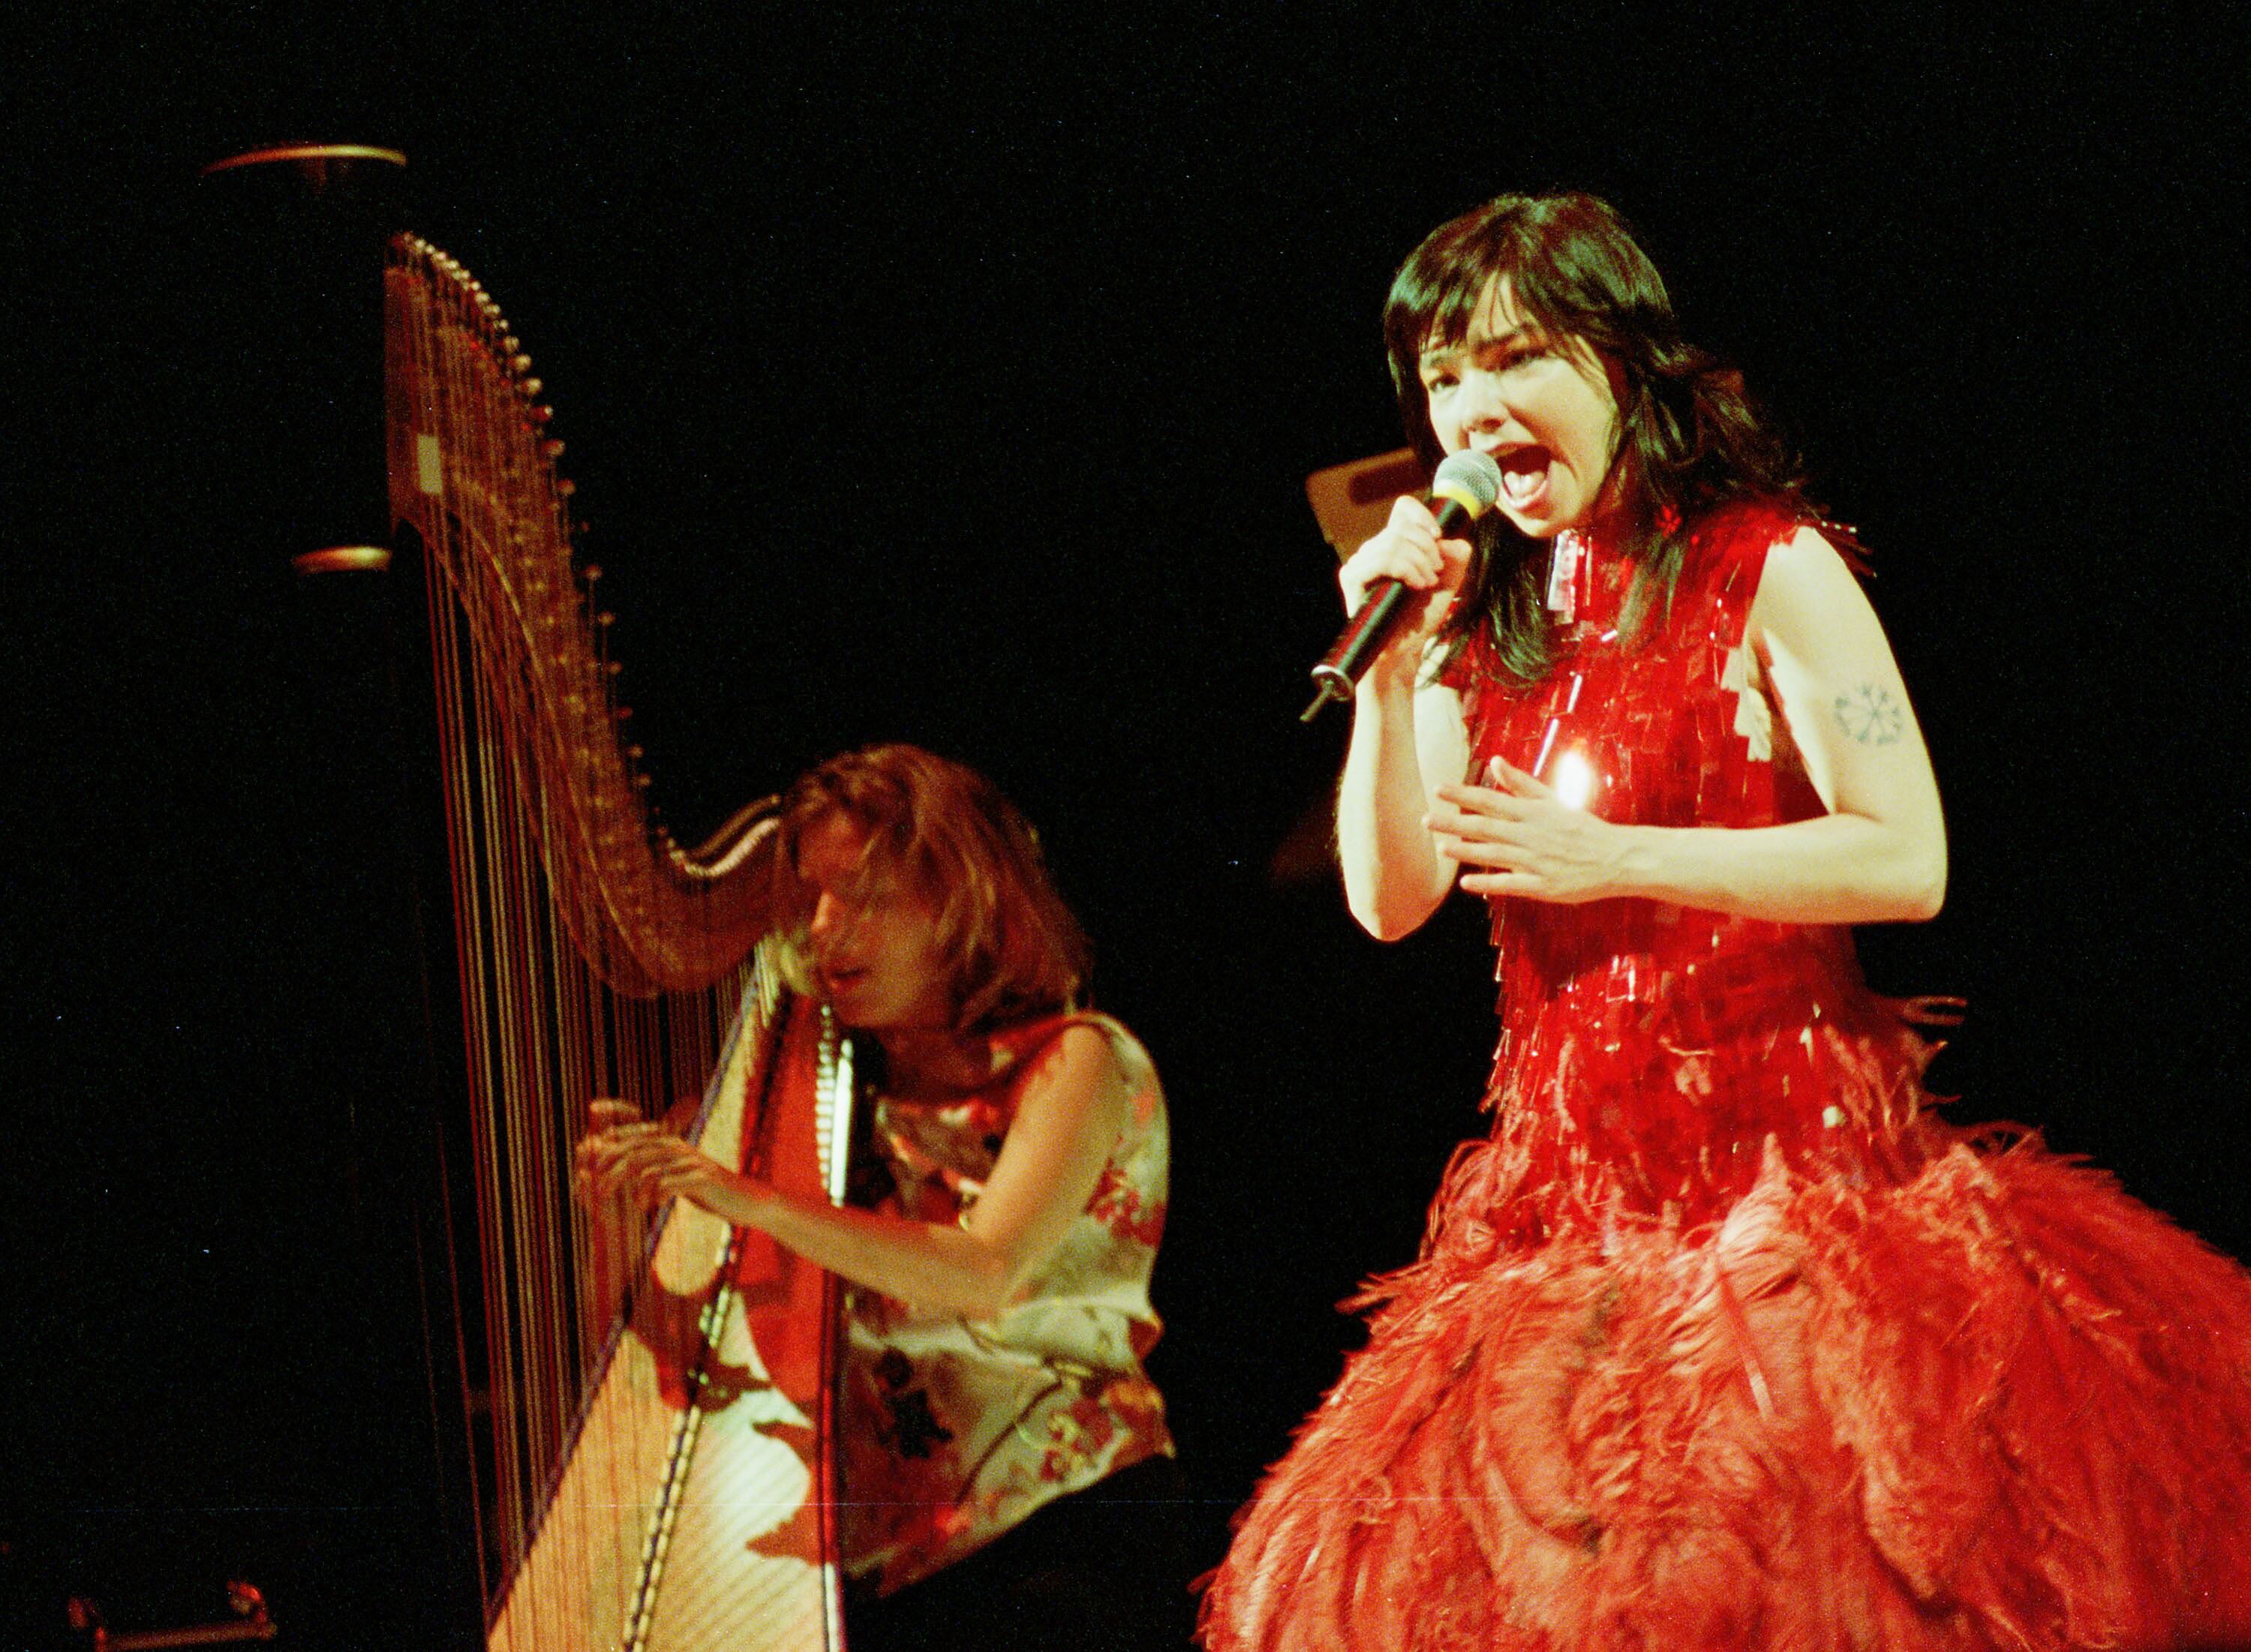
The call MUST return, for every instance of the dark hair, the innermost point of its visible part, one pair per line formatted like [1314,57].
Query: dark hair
[1688,434]
[1012,949]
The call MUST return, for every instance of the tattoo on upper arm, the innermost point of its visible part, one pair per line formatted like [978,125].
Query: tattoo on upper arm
[1872,716]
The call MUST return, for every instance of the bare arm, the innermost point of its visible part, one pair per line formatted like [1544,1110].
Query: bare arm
[1406,739]
[1068,1120]
[1878,855]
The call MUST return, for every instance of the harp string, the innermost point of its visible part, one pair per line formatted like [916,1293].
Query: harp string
[598,957]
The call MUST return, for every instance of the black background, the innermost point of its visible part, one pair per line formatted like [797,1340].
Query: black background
[950,375]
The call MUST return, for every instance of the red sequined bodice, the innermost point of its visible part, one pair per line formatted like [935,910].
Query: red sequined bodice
[1648,1053]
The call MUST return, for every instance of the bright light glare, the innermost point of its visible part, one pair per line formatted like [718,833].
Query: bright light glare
[1575,779]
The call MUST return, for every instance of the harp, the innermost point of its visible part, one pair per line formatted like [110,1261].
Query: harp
[631,1415]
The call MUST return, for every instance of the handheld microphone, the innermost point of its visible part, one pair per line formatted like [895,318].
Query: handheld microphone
[1464,489]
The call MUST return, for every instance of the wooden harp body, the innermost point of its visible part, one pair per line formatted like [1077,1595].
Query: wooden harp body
[693,1506]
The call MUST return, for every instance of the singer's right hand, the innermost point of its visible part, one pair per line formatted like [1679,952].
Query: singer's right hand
[1410,551]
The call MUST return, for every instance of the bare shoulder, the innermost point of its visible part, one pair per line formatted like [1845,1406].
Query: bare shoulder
[1086,1047]
[1092,1029]
[1091,1055]
[1111,1060]
[1074,1048]
[1803,563]
[1809,589]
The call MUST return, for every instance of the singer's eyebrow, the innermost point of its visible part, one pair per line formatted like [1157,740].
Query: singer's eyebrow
[1437,355]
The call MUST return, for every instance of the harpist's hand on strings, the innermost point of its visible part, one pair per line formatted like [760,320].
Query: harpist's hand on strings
[650,1164]
[618,1144]
[662,1168]
[611,1126]
[1518,837]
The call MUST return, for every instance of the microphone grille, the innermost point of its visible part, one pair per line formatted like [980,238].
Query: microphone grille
[1471,472]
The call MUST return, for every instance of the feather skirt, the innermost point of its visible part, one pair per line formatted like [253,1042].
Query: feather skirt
[2000,1405]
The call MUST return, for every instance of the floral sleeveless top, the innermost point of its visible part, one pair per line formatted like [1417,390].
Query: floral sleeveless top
[954,1429]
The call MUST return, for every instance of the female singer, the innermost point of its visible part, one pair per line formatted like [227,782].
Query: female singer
[998,1310]
[1721,1339]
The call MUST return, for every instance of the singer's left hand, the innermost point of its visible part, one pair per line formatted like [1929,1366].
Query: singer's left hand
[1517,836]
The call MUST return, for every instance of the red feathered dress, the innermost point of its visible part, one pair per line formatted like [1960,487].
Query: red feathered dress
[1720,1340]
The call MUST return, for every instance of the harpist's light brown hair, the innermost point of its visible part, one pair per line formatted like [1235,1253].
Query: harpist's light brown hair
[1012,949]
